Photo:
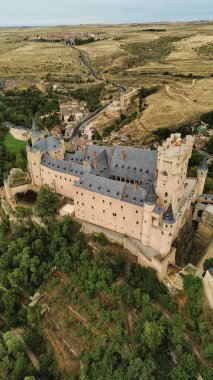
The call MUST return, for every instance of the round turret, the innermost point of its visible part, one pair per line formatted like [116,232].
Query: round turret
[201,176]
[167,231]
[35,132]
[149,205]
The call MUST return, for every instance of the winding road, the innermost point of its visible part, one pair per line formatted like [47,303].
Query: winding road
[90,117]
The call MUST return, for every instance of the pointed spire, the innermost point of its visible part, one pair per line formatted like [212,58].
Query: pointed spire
[35,131]
[169,215]
[151,196]
[203,165]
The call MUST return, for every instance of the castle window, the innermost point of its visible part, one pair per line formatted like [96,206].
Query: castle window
[61,187]
[137,222]
[136,211]
[82,204]
[76,192]
[70,180]
[114,213]
[77,203]
[166,194]
[103,211]
[110,203]
[34,163]
[170,234]
[165,201]
[124,218]
[55,176]
[93,197]
[60,176]
[122,207]
[92,207]
[103,200]
[81,193]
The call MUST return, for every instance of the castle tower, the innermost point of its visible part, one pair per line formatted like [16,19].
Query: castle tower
[201,176]
[34,160]
[7,189]
[149,205]
[35,133]
[172,166]
[167,232]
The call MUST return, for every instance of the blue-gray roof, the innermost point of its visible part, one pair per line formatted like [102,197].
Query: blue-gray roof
[169,215]
[35,131]
[48,144]
[137,164]
[204,165]
[134,195]
[100,166]
[76,157]
[93,150]
[63,166]
[209,196]
[157,210]
[91,182]
[113,189]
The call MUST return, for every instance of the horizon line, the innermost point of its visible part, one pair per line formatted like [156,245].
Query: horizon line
[105,23]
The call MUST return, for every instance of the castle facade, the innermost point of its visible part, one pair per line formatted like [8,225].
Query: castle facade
[143,195]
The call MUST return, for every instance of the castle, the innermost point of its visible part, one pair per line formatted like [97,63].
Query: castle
[142,195]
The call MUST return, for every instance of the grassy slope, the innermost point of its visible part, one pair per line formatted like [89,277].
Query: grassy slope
[11,144]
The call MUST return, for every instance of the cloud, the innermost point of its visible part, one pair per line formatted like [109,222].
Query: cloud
[52,12]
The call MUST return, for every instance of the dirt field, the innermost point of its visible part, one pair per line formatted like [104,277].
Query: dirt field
[165,55]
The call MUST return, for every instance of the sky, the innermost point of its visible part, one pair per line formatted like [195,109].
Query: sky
[74,12]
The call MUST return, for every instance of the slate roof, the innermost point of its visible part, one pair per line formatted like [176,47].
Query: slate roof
[35,131]
[100,166]
[103,163]
[48,144]
[209,196]
[134,195]
[203,165]
[169,216]
[76,157]
[138,164]
[113,189]
[91,182]
[98,149]
[151,196]
[157,210]
[63,166]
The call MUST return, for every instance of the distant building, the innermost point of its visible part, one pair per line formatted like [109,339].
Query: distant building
[139,195]
[73,111]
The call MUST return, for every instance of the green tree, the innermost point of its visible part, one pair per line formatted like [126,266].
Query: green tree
[12,343]
[208,263]
[47,202]
[141,369]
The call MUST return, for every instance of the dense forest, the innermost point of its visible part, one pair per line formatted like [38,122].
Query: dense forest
[131,327]
[20,107]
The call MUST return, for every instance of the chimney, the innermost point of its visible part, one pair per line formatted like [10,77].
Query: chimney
[123,155]
[94,153]
[94,164]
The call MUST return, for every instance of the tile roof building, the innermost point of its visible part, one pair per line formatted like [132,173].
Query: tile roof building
[140,194]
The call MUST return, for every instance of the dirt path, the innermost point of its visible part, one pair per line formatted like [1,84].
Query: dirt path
[169,92]
[19,331]
[98,316]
